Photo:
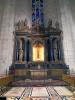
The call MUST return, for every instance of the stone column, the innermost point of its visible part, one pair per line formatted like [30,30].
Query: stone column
[20,42]
[17,50]
[56,50]
[20,51]
[68,32]
[30,50]
[25,50]
[51,49]
[6,34]
[45,50]
[59,50]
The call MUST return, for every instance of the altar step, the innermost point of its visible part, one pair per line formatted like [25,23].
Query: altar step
[29,82]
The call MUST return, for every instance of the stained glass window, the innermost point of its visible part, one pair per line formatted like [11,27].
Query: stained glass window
[37,11]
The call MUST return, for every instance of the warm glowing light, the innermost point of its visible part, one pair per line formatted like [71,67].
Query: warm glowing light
[38,53]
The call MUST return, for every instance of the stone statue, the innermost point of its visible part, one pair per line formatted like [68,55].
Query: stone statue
[20,55]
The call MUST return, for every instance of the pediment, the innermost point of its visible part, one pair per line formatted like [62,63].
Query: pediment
[22,26]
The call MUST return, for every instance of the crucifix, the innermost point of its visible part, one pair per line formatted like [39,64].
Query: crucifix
[38,56]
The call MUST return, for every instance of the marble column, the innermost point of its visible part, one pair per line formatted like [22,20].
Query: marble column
[51,49]
[30,50]
[17,50]
[59,50]
[45,51]
[25,50]
[20,51]
[20,44]
[7,9]
[68,32]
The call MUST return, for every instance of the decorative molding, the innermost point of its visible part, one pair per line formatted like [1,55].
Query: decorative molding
[22,26]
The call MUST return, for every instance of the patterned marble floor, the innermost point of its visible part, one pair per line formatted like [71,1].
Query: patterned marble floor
[38,93]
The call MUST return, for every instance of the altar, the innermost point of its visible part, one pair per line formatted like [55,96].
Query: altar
[38,45]
[39,74]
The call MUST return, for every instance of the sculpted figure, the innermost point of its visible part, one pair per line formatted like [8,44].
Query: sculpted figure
[20,55]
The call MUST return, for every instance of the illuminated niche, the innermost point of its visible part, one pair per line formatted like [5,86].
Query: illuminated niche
[38,52]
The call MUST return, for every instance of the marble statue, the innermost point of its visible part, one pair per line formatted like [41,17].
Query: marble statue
[20,55]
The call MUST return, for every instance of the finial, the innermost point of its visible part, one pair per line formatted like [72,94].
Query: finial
[50,23]
[57,25]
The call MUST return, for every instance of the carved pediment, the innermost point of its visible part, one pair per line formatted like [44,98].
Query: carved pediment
[22,26]
[51,28]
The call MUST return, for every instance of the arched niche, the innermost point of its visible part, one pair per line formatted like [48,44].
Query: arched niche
[38,51]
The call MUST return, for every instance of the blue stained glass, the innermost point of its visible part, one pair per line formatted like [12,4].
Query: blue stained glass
[37,5]
[41,1]
[33,5]
[37,0]
[37,14]
[41,5]
[33,18]
[41,10]
[37,10]
[33,1]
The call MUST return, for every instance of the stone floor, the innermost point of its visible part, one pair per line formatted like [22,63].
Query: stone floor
[38,93]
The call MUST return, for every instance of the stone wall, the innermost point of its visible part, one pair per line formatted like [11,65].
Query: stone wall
[67,21]
[6,35]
